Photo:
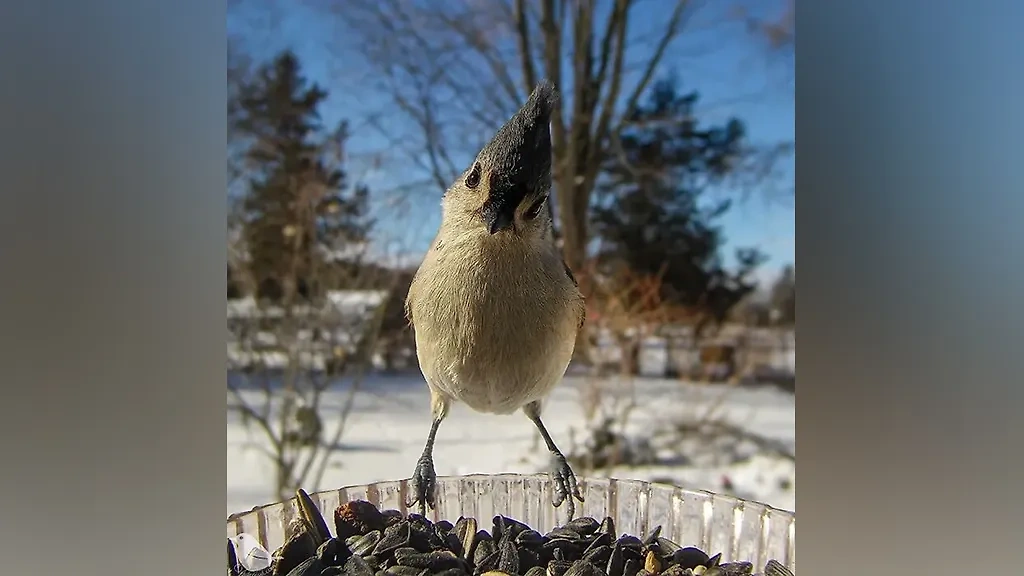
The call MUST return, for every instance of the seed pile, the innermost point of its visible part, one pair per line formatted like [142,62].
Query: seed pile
[371,542]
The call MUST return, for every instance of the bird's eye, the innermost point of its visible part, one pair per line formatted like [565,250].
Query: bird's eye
[473,179]
[535,209]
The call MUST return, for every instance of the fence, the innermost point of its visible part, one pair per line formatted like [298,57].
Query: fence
[748,354]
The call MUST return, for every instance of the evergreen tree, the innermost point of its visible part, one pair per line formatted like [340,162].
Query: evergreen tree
[656,221]
[298,210]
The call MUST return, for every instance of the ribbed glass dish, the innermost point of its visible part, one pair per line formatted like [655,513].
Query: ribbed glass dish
[741,530]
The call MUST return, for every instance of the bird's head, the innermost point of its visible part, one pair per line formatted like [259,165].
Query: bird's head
[505,189]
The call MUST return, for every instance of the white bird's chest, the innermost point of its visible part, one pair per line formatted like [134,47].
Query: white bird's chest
[494,334]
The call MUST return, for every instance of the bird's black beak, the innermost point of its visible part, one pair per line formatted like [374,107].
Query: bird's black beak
[518,159]
[499,218]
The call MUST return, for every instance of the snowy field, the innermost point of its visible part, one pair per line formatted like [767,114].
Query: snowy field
[385,433]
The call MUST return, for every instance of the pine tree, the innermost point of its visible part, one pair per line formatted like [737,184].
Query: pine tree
[656,221]
[298,211]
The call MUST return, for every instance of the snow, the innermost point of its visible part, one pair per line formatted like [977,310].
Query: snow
[385,433]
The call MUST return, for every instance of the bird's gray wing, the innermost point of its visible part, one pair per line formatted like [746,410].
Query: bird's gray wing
[568,272]
[435,245]
[582,305]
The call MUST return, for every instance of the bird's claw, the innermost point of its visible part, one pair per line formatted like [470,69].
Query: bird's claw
[565,487]
[424,482]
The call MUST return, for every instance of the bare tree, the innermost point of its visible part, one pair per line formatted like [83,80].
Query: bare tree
[459,68]
[456,69]
[284,362]
[778,29]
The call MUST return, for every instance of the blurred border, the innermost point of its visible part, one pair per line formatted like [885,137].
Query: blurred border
[113,286]
[907,121]
[113,127]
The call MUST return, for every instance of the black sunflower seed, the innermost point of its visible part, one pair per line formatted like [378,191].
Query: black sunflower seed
[452,542]
[371,542]
[243,571]
[558,567]
[773,568]
[390,517]
[313,518]
[690,557]
[653,536]
[630,542]
[487,564]
[666,548]
[584,525]
[536,571]
[598,540]
[616,563]
[364,545]
[530,538]
[503,525]
[632,566]
[598,556]
[333,553]
[528,559]
[402,571]
[563,547]
[434,561]
[732,569]
[465,532]
[395,536]
[485,548]
[564,533]
[508,557]
[584,568]
[356,566]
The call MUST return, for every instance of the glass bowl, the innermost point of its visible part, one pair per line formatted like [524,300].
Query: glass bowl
[740,529]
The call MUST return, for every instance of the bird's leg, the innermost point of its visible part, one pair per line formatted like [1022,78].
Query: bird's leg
[424,479]
[561,473]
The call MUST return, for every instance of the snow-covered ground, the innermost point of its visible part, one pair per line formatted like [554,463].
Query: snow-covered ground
[385,433]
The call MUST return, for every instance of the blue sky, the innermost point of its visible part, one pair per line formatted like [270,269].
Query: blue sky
[737,80]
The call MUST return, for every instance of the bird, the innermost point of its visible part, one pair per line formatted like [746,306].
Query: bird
[494,308]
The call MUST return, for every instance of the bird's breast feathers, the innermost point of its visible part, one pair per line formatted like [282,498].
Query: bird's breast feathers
[494,333]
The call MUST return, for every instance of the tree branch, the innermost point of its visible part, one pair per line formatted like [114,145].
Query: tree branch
[553,66]
[618,10]
[620,17]
[478,42]
[372,335]
[264,423]
[671,30]
[525,53]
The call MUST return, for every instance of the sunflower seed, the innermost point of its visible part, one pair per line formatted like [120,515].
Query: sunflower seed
[773,568]
[371,542]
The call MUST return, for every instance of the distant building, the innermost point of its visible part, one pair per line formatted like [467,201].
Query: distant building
[323,332]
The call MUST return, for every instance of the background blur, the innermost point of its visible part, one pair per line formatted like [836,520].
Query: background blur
[673,204]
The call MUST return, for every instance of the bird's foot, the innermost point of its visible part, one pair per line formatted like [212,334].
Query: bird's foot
[565,486]
[424,482]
